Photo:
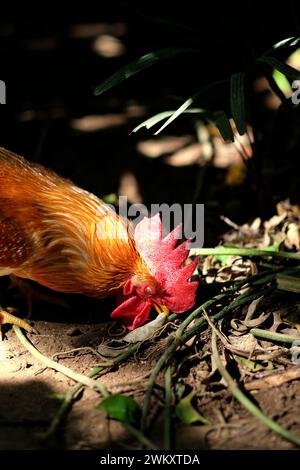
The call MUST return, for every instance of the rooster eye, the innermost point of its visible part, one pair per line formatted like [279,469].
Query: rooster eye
[148,290]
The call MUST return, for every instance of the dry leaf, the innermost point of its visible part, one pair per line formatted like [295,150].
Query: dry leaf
[146,331]
[274,380]
[293,236]
[245,343]
[252,308]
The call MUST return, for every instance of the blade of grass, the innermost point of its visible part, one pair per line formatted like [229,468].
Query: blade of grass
[284,68]
[275,87]
[224,250]
[176,342]
[168,410]
[152,121]
[288,283]
[179,111]
[285,43]
[189,102]
[245,401]
[223,124]
[237,101]
[83,379]
[140,64]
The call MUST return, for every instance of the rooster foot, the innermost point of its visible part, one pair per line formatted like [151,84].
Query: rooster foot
[7,317]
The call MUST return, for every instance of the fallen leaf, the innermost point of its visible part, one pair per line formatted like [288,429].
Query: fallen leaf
[274,380]
[274,221]
[293,236]
[121,407]
[252,308]
[245,343]
[187,413]
[146,331]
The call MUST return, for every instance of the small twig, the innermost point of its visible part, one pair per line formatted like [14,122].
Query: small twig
[89,349]
[168,410]
[245,401]
[83,379]
[274,380]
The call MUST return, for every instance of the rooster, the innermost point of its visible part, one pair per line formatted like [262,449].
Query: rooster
[65,238]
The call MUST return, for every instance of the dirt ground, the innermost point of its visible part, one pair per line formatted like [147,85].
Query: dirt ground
[50,127]
[26,406]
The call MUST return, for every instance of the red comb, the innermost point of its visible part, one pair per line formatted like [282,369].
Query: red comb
[166,262]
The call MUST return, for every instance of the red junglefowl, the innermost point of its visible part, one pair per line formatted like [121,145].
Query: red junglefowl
[65,238]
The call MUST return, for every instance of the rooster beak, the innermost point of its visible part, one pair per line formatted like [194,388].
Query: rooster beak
[161,309]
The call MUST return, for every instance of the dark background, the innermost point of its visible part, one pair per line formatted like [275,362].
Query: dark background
[50,75]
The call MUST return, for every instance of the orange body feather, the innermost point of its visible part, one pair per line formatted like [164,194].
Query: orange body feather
[61,236]
[68,240]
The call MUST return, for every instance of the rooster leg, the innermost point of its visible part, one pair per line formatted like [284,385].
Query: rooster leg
[33,293]
[6,317]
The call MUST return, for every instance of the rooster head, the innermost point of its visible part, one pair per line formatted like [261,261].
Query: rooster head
[161,279]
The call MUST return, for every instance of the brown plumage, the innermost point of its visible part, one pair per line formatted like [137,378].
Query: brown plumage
[59,235]
[68,240]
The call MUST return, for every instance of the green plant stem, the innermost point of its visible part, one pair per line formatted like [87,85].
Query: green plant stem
[256,279]
[243,299]
[198,310]
[168,410]
[119,359]
[245,401]
[272,336]
[228,251]
[177,342]
[129,351]
[82,379]
[65,406]
[139,436]
[231,287]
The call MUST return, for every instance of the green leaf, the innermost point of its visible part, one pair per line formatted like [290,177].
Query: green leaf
[57,396]
[285,43]
[140,64]
[222,122]
[122,408]
[178,111]
[287,70]
[152,121]
[182,109]
[281,82]
[187,413]
[271,76]
[237,101]
[252,365]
